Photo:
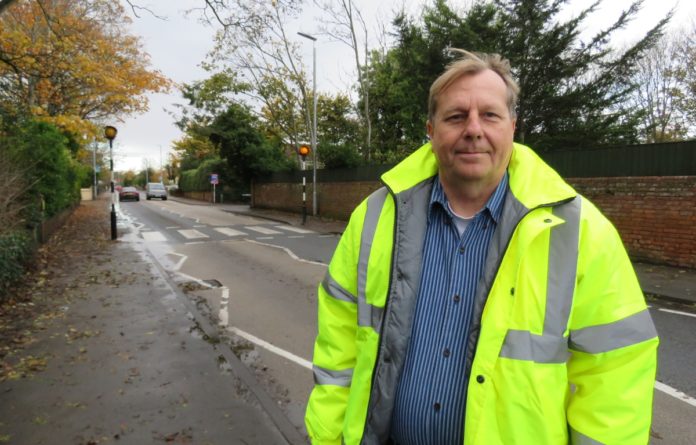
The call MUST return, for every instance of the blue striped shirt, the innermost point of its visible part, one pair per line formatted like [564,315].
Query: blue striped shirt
[431,393]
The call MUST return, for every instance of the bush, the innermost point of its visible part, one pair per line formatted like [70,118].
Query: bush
[54,174]
[339,156]
[16,248]
[198,180]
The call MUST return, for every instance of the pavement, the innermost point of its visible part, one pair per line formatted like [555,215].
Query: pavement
[98,345]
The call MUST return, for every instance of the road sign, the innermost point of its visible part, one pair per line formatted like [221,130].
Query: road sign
[213,178]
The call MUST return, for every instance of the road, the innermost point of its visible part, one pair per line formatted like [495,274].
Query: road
[257,280]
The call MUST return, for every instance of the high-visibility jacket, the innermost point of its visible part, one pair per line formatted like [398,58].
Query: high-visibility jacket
[561,348]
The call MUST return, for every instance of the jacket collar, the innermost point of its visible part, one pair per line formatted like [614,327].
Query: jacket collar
[532,181]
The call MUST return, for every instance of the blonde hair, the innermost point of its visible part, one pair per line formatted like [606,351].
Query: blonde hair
[473,63]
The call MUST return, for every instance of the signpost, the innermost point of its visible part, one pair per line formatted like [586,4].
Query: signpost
[214,181]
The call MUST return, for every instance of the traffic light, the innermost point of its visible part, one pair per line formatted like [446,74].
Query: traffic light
[303,150]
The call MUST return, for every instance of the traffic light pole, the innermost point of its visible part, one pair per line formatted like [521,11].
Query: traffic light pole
[113,195]
[304,192]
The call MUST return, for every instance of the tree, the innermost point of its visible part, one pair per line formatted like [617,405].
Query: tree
[572,91]
[70,62]
[345,23]
[338,132]
[254,43]
[243,146]
[659,93]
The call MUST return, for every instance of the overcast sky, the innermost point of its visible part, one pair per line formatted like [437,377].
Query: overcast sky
[180,43]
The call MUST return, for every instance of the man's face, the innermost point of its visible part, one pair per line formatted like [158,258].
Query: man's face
[472,130]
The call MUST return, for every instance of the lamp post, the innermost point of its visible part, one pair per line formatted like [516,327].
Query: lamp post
[110,133]
[314,121]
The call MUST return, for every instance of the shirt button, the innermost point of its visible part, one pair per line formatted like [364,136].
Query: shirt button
[456,298]
[446,352]
[461,249]
[480,378]
[436,406]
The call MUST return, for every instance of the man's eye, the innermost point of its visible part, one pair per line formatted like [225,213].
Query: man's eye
[455,117]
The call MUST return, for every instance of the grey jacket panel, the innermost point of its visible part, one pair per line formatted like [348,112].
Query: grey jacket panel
[411,221]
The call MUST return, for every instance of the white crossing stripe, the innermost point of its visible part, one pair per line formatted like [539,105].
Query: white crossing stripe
[153,236]
[294,229]
[229,232]
[264,230]
[192,234]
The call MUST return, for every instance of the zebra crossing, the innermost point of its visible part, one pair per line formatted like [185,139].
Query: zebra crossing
[203,233]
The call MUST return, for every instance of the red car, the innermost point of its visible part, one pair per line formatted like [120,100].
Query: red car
[129,194]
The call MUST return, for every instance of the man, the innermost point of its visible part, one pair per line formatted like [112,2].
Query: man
[478,299]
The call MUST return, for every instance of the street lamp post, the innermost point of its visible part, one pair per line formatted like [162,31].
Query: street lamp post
[110,133]
[314,121]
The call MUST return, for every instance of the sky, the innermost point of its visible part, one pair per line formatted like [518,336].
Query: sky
[179,44]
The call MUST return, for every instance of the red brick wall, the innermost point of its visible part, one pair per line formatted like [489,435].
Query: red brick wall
[334,199]
[656,216]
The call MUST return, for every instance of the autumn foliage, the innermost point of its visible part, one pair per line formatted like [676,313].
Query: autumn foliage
[72,63]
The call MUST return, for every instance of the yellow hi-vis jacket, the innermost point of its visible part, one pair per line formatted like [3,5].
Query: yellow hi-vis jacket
[562,347]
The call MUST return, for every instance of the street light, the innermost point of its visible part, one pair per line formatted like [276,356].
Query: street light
[314,121]
[110,133]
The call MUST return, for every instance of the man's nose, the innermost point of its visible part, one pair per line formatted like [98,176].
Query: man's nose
[472,127]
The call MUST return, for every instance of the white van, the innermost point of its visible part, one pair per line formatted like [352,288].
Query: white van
[155,190]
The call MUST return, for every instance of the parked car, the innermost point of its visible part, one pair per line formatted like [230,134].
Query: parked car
[155,190]
[129,194]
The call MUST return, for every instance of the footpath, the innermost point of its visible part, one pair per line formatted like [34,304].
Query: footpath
[97,347]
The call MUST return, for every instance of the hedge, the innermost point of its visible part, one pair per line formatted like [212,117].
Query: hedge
[16,249]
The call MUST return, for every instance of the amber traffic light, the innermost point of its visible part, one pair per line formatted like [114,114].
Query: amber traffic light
[304,150]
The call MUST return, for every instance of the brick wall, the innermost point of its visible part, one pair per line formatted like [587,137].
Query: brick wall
[334,199]
[656,216]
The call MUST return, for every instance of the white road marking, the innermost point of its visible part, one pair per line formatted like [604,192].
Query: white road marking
[675,393]
[194,242]
[172,227]
[264,230]
[293,229]
[183,259]
[153,236]
[296,236]
[224,314]
[200,225]
[289,252]
[678,312]
[228,231]
[325,236]
[264,237]
[272,348]
[192,234]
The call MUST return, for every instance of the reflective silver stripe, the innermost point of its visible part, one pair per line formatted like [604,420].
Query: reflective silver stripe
[629,331]
[328,377]
[552,346]
[369,315]
[580,439]
[523,345]
[337,291]
[563,264]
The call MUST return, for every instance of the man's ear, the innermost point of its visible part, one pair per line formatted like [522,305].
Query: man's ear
[429,129]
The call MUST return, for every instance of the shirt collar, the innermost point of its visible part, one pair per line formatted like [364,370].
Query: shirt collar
[494,205]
